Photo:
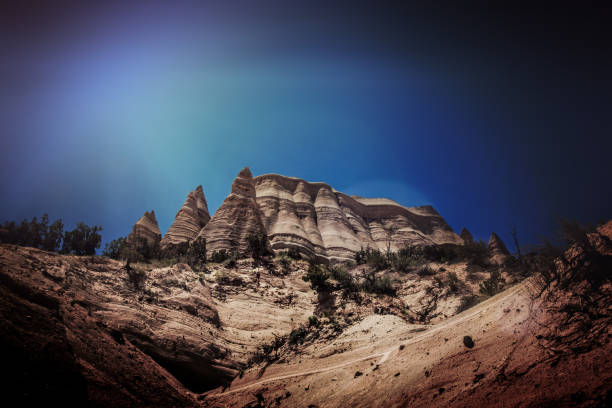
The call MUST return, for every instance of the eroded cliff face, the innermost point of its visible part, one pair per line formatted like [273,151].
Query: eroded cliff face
[329,224]
[313,217]
[497,249]
[237,217]
[189,220]
[146,228]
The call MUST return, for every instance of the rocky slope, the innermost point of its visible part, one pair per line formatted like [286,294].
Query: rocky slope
[88,331]
[318,220]
[146,229]
[536,344]
[189,220]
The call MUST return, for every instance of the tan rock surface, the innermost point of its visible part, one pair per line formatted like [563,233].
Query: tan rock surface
[466,236]
[329,224]
[189,220]
[497,249]
[146,228]
[237,217]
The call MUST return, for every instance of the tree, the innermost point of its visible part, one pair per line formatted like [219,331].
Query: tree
[83,240]
[53,236]
[115,248]
[258,245]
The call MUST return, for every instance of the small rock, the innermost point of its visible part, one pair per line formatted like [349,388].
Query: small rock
[397,374]
[468,342]
[358,374]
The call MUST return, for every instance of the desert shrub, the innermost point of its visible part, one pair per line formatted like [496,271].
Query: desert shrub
[360,257]
[475,253]
[340,274]
[380,285]
[136,276]
[318,276]
[297,336]
[377,260]
[83,240]
[426,270]
[175,251]
[229,279]
[313,321]
[258,246]
[219,256]
[285,264]
[115,248]
[408,258]
[468,301]
[373,257]
[493,285]
[453,282]
[440,253]
[294,253]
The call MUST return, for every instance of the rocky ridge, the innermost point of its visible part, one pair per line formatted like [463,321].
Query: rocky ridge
[237,217]
[497,249]
[189,220]
[319,220]
[146,228]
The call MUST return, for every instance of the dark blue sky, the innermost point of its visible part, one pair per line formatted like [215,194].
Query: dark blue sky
[497,117]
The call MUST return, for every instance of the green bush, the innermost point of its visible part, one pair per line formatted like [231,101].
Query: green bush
[258,246]
[453,282]
[493,285]
[83,240]
[115,248]
[313,321]
[219,256]
[34,233]
[426,270]
[318,276]
[294,253]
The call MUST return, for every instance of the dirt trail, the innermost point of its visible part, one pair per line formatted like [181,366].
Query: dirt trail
[386,354]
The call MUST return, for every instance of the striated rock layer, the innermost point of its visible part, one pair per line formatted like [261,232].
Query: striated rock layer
[318,220]
[497,249]
[327,223]
[146,228]
[237,217]
[466,236]
[189,220]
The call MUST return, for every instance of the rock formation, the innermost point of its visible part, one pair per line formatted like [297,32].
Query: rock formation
[312,217]
[146,228]
[189,220]
[326,223]
[497,249]
[237,217]
[466,236]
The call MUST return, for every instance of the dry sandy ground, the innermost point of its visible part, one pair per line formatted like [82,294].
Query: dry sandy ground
[383,361]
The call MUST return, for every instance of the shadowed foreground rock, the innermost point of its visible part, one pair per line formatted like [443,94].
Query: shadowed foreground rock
[83,328]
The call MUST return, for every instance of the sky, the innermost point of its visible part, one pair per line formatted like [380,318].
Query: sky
[496,117]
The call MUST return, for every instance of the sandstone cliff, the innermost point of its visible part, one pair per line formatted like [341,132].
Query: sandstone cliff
[326,223]
[189,220]
[237,217]
[146,228]
[466,236]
